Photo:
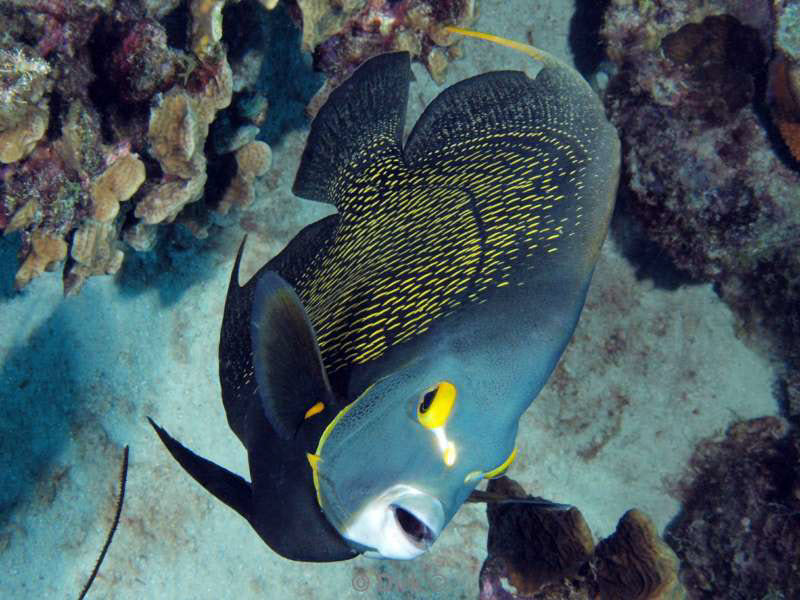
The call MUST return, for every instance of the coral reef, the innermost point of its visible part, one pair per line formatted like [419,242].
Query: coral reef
[107,107]
[252,160]
[44,251]
[710,181]
[23,103]
[343,34]
[545,552]
[784,75]
[738,535]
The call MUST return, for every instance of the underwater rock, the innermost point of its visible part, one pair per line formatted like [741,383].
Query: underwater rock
[44,180]
[546,552]
[783,89]
[142,63]
[738,535]
[531,546]
[708,181]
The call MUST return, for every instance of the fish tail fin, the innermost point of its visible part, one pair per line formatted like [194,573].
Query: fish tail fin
[362,120]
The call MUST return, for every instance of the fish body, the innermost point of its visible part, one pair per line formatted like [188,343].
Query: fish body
[377,368]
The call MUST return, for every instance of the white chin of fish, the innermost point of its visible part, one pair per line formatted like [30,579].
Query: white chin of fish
[401,523]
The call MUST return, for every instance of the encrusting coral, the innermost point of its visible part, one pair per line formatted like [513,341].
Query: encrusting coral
[546,552]
[252,160]
[45,251]
[24,105]
[116,184]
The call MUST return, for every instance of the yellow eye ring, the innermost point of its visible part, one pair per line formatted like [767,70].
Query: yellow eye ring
[436,404]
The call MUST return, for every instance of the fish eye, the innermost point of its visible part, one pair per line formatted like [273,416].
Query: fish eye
[436,405]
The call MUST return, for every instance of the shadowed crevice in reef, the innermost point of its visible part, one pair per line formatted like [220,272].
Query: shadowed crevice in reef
[178,262]
[286,77]
[587,48]
[648,259]
[8,266]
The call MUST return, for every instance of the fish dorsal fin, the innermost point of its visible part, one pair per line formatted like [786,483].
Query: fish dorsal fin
[506,102]
[286,358]
[362,120]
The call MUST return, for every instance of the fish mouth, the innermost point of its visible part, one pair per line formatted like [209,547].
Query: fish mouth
[401,523]
[415,529]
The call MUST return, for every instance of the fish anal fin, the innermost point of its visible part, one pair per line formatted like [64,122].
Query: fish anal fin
[230,488]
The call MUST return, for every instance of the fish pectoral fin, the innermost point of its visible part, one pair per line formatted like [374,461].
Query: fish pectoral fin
[228,487]
[286,357]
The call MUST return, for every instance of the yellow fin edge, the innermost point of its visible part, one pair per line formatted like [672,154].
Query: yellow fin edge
[313,460]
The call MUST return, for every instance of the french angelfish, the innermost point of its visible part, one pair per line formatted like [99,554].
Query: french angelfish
[377,368]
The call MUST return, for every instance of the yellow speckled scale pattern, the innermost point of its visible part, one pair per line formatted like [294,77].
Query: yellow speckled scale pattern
[413,244]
